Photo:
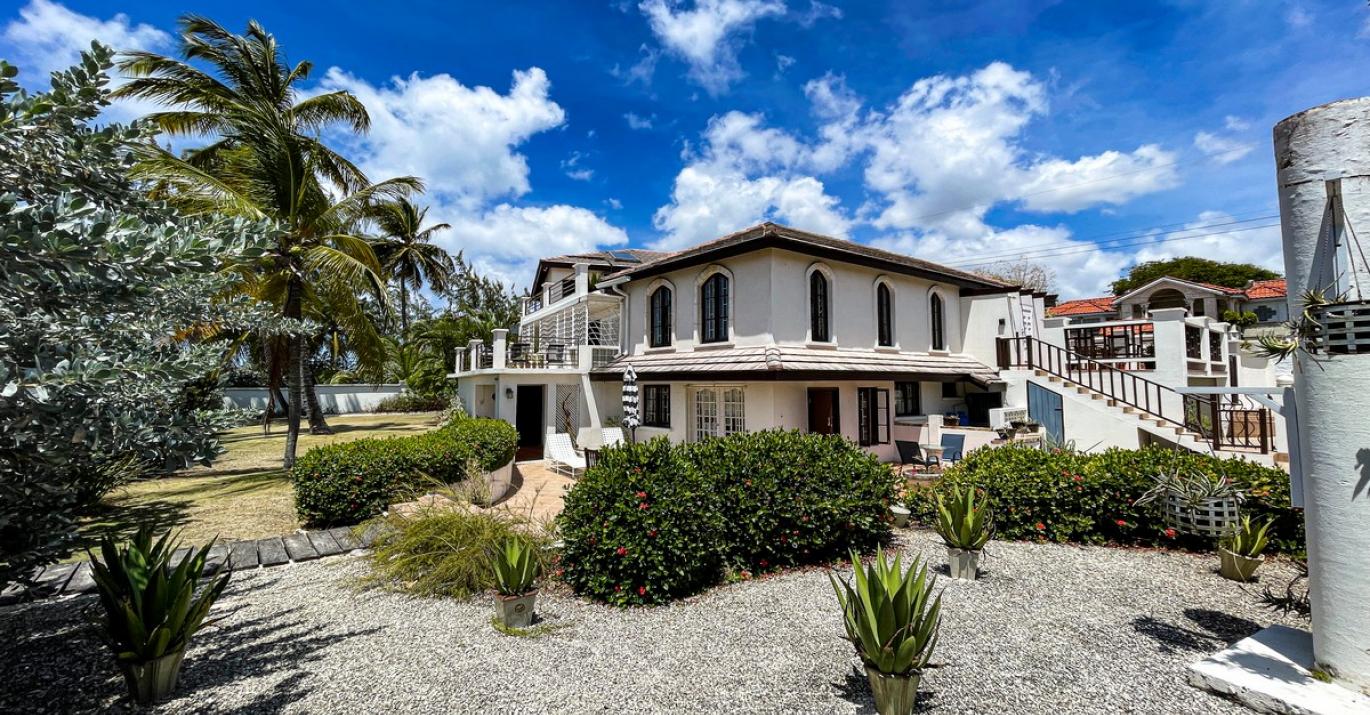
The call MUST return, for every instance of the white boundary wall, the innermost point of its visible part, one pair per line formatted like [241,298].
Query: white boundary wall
[335,399]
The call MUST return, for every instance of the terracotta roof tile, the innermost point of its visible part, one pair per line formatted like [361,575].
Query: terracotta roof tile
[1082,306]
[1274,288]
[775,359]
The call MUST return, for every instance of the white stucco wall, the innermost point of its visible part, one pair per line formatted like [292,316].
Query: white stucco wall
[335,399]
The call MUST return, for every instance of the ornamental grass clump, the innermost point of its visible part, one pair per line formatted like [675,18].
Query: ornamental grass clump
[892,620]
[152,607]
[443,551]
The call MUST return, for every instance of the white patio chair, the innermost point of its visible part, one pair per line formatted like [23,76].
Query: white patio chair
[611,436]
[563,457]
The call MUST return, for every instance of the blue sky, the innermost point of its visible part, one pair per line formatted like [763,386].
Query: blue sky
[1083,136]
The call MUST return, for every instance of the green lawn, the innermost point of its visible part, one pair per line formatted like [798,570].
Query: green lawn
[244,495]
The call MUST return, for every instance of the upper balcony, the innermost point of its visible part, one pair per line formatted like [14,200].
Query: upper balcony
[1170,341]
[576,335]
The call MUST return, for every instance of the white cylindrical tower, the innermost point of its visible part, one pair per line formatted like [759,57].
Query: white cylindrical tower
[1322,158]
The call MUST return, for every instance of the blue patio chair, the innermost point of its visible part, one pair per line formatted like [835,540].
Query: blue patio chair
[952,446]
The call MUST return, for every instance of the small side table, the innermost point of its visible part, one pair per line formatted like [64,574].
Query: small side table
[591,457]
[934,450]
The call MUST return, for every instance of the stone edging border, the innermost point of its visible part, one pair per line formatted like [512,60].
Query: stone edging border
[75,578]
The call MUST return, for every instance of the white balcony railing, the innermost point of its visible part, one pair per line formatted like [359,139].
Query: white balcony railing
[514,355]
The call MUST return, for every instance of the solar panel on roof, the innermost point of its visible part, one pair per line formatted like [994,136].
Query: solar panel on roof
[625,256]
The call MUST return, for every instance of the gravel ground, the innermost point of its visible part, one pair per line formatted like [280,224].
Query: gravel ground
[1047,629]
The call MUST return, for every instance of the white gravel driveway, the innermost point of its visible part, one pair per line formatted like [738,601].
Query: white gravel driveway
[1048,629]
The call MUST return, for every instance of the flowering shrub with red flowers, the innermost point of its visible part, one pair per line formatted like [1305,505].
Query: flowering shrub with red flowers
[350,482]
[1068,496]
[641,526]
[790,498]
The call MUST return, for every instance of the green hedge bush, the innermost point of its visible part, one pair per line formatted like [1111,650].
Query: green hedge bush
[411,402]
[642,526]
[683,515]
[789,498]
[352,481]
[1066,496]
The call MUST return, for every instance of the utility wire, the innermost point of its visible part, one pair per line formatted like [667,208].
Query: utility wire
[1090,248]
[1139,236]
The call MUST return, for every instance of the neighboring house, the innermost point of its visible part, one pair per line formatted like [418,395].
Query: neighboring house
[1267,299]
[773,327]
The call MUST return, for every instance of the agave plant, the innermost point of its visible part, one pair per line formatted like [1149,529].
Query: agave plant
[516,568]
[1248,539]
[152,607]
[964,520]
[890,614]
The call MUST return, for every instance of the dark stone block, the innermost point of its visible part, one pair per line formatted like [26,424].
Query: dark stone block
[343,535]
[53,579]
[299,548]
[243,555]
[271,552]
[218,556]
[324,543]
[81,581]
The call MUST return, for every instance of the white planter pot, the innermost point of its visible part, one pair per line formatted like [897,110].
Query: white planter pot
[963,563]
[901,515]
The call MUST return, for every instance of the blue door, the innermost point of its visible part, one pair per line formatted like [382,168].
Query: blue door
[1044,406]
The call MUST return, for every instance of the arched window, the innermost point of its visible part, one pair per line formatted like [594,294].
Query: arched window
[659,333]
[939,339]
[713,309]
[884,316]
[818,308]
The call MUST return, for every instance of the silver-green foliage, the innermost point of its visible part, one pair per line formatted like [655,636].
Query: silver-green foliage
[98,287]
[890,615]
[1248,539]
[152,606]
[516,567]
[963,519]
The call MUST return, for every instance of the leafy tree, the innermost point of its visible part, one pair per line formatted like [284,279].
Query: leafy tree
[98,288]
[267,162]
[482,304]
[405,251]
[1192,268]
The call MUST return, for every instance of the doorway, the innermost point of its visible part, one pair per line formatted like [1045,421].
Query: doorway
[978,405]
[1044,406]
[529,419]
[823,411]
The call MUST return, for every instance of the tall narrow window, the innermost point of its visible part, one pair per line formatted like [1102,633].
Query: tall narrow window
[660,333]
[656,405]
[818,307]
[873,416]
[939,340]
[713,301]
[884,316]
[907,401]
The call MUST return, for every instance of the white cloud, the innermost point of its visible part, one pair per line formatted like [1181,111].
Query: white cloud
[1113,177]
[638,122]
[1211,235]
[573,168]
[1235,123]
[783,62]
[49,37]
[461,140]
[818,11]
[705,36]
[640,71]
[1223,150]
[506,241]
[613,203]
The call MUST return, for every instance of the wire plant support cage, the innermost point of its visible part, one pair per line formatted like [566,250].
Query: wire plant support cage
[1342,326]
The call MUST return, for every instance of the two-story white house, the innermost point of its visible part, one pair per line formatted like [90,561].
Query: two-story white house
[776,327]
[767,327]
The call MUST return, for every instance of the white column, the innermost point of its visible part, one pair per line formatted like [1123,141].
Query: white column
[1319,152]
[499,346]
[472,354]
[582,278]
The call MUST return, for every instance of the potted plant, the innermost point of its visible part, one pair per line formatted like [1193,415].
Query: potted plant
[152,608]
[1196,503]
[516,568]
[1240,551]
[892,620]
[965,524]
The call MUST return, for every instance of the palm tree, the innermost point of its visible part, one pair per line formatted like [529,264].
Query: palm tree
[408,257]
[267,163]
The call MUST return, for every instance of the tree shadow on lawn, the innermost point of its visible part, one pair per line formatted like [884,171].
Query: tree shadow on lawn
[55,660]
[122,521]
[855,688]
[1218,630]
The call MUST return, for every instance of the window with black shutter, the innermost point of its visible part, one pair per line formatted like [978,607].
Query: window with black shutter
[884,315]
[907,401]
[713,301]
[818,307]
[660,332]
[939,341]
[873,416]
[656,406]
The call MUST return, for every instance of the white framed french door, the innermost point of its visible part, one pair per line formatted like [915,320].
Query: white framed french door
[717,410]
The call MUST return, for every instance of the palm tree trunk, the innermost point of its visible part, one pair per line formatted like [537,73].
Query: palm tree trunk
[293,309]
[404,309]
[317,424]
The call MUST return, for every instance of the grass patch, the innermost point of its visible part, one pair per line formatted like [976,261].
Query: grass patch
[245,494]
[537,631]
